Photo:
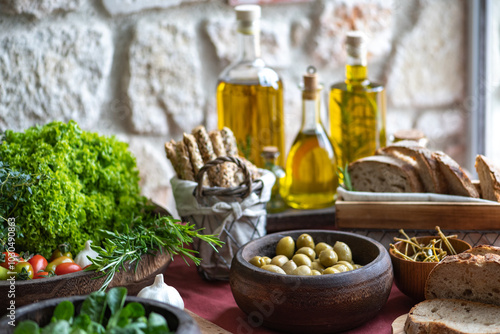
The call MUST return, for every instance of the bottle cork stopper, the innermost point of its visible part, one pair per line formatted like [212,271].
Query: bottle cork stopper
[247,12]
[270,152]
[310,89]
[355,43]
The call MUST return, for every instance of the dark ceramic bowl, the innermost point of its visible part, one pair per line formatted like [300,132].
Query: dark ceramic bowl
[178,320]
[312,304]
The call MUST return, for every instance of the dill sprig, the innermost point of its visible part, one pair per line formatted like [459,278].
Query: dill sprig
[152,236]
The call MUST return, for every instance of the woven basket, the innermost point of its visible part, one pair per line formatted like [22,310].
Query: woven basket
[236,215]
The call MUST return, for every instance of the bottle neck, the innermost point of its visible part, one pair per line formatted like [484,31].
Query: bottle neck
[249,44]
[311,106]
[356,70]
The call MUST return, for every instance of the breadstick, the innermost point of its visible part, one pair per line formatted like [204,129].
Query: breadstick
[185,166]
[227,169]
[172,156]
[195,156]
[229,142]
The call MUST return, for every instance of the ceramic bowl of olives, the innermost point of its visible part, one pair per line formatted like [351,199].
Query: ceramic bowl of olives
[314,281]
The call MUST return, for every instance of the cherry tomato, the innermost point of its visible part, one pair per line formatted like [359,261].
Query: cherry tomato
[67,268]
[8,258]
[24,271]
[3,274]
[51,267]
[38,262]
[41,274]
[62,250]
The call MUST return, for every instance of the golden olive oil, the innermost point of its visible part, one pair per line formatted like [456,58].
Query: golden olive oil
[357,108]
[254,113]
[310,180]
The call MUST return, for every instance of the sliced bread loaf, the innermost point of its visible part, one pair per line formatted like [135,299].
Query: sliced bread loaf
[447,316]
[466,276]
[489,178]
[384,174]
[457,180]
[424,161]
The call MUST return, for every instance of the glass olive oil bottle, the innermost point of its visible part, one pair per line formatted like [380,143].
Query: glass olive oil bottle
[310,180]
[250,94]
[357,108]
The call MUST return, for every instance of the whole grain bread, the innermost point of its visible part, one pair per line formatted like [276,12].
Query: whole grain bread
[384,174]
[453,316]
[424,162]
[489,178]
[466,276]
[457,180]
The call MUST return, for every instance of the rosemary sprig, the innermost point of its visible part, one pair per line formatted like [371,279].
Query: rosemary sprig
[145,237]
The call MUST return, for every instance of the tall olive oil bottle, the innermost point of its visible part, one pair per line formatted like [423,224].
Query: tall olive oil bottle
[357,107]
[310,180]
[250,94]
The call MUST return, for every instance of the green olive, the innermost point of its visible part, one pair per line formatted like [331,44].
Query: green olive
[274,269]
[305,240]
[289,267]
[266,259]
[302,271]
[330,270]
[286,246]
[307,251]
[315,265]
[302,260]
[257,261]
[315,273]
[357,266]
[347,264]
[321,247]
[279,260]
[341,267]
[343,251]
[328,257]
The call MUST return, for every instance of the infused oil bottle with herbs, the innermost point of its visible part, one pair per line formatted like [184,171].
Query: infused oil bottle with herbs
[250,94]
[357,108]
[310,180]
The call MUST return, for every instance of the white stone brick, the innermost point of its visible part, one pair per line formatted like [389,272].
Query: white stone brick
[428,68]
[165,78]
[121,7]
[37,8]
[373,17]
[54,73]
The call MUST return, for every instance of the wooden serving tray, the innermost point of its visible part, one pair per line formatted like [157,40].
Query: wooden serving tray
[82,283]
[417,215]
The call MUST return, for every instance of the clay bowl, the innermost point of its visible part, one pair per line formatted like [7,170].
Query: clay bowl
[410,276]
[178,320]
[83,282]
[312,304]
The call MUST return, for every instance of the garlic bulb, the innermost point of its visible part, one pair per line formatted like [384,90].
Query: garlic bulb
[162,292]
[81,259]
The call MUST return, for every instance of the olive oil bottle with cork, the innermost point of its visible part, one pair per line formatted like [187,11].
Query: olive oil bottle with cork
[250,94]
[310,180]
[357,107]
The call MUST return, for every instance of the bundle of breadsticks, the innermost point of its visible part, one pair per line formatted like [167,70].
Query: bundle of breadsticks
[191,153]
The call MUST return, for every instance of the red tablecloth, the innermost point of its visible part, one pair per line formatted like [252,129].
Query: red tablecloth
[214,302]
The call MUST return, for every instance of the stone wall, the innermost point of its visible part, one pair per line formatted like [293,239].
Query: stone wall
[146,70]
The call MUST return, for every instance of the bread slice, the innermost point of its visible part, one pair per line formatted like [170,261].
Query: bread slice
[489,178]
[466,276]
[424,161]
[483,250]
[457,180]
[384,174]
[453,316]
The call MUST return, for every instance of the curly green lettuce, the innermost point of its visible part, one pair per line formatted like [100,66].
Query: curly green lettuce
[92,184]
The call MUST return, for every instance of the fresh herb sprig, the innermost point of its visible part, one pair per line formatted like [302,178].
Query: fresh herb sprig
[345,178]
[148,236]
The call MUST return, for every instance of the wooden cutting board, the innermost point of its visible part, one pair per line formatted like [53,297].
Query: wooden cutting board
[398,326]
[206,326]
